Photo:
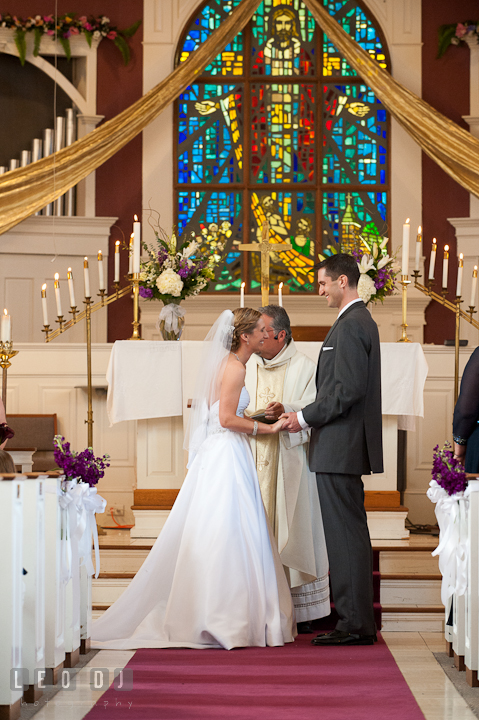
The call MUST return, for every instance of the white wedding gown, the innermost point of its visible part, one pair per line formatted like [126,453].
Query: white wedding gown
[213,578]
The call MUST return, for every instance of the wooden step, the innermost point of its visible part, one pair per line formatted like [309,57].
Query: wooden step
[400,590]
[413,618]
[402,561]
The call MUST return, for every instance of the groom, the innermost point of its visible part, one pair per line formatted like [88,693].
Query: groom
[346,442]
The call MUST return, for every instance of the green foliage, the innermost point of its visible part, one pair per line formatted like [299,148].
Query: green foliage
[21,44]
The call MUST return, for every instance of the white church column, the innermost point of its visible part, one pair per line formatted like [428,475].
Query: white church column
[86,188]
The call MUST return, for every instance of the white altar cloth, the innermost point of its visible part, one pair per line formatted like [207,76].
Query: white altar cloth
[144,380]
[152,379]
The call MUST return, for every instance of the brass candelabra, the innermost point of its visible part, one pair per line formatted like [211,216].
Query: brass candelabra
[6,353]
[455,307]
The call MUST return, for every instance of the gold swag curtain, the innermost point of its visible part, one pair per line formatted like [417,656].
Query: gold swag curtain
[26,190]
[454,149]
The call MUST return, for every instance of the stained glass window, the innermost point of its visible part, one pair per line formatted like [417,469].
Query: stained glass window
[280,127]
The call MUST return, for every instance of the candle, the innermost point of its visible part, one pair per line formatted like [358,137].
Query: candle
[242,294]
[432,261]
[70,287]
[86,278]
[474,286]
[405,247]
[460,270]
[136,245]
[445,263]
[280,294]
[117,261]
[130,256]
[44,304]
[6,328]
[101,275]
[58,299]
[418,248]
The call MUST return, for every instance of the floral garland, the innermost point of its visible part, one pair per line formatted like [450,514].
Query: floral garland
[63,28]
[83,465]
[378,270]
[455,34]
[448,471]
[173,273]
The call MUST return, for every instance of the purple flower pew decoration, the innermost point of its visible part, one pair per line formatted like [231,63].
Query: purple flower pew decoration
[81,465]
[448,471]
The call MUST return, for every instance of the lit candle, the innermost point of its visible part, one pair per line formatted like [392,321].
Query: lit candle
[460,270]
[280,294]
[432,261]
[445,263]
[101,275]
[6,328]
[117,261]
[405,247]
[474,287]
[86,277]
[242,294]
[130,256]
[418,248]
[44,304]
[136,245]
[70,287]
[58,299]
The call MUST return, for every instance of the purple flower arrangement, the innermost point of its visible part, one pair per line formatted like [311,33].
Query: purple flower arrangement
[448,471]
[63,27]
[83,465]
[177,270]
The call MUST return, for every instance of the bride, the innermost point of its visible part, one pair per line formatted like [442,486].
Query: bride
[213,578]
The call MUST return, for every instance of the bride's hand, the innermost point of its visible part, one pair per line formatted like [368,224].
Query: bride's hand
[277,426]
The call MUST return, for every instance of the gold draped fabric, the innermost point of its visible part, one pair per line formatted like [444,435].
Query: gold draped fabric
[454,149]
[26,190]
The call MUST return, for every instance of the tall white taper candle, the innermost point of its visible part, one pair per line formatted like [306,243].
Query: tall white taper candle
[432,260]
[86,277]
[44,304]
[418,248]
[405,247]
[280,294]
[460,270]
[101,274]
[136,245]
[6,327]
[117,261]
[58,299]
[71,288]
[474,287]
[242,295]
[445,264]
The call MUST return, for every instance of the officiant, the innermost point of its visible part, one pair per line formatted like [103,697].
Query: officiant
[281,379]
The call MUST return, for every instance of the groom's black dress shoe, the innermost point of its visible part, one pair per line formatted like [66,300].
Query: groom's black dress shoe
[340,637]
[305,628]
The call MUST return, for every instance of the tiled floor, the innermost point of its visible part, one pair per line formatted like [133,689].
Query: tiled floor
[413,653]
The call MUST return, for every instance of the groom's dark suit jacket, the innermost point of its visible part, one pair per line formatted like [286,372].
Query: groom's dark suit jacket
[346,415]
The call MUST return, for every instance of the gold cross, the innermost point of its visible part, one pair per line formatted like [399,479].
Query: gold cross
[265,247]
[267,395]
[261,463]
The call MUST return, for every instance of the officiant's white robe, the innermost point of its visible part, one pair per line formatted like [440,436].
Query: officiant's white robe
[298,522]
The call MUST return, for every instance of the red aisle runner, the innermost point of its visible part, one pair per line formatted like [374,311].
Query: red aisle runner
[295,682]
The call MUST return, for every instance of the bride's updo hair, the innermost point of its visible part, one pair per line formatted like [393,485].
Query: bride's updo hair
[245,321]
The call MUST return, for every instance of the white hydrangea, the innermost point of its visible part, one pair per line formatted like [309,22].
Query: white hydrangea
[169,283]
[366,288]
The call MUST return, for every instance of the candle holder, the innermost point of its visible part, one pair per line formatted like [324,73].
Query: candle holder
[404,282]
[73,312]
[457,336]
[6,353]
[471,310]
[60,320]
[102,295]
[135,282]
[46,329]
[116,287]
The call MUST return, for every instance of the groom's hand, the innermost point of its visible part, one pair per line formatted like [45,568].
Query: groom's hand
[274,410]
[291,425]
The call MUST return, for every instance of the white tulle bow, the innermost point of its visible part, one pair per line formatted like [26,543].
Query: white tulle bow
[170,314]
[451,512]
